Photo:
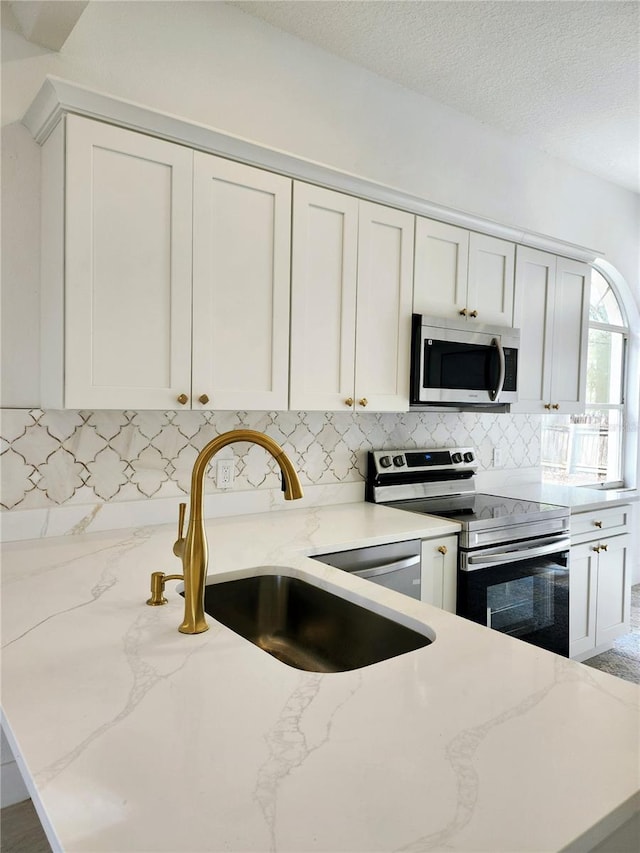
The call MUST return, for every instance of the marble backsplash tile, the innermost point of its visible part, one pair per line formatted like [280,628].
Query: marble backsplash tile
[55,458]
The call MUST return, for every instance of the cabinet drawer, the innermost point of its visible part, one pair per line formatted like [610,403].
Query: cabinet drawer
[586,526]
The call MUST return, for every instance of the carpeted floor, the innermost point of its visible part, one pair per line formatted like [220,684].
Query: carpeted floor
[623,659]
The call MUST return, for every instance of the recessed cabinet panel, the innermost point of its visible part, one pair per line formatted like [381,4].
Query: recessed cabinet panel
[441,263]
[490,286]
[570,329]
[128,268]
[240,285]
[323,298]
[613,590]
[385,255]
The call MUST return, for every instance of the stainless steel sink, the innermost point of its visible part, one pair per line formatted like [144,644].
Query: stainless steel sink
[307,627]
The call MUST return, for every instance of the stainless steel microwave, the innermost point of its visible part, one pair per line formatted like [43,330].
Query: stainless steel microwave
[453,365]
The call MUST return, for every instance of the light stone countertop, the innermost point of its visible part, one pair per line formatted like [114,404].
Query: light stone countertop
[133,737]
[577,498]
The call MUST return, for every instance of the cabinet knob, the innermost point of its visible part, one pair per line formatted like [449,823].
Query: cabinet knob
[182,399]
[556,406]
[363,401]
[463,312]
[596,548]
[604,547]
[203,399]
[349,401]
[547,406]
[442,549]
[597,524]
[473,313]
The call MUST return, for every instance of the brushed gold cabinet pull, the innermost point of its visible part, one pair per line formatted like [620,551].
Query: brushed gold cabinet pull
[442,549]
[604,547]
[596,548]
[363,401]
[182,399]
[473,313]
[556,406]
[463,312]
[203,399]
[597,524]
[349,401]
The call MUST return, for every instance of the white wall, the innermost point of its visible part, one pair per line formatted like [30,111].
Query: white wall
[212,63]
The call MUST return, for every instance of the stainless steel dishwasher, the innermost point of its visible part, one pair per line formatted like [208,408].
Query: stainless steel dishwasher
[395,566]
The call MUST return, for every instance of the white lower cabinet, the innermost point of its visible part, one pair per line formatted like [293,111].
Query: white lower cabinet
[599,592]
[439,572]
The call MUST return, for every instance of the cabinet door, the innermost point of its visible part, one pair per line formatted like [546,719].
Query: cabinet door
[570,331]
[383,314]
[323,299]
[128,269]
[583,589]
[440,271]
[533,315]
[614,589]
[439,572]
[490,280]
[241,256]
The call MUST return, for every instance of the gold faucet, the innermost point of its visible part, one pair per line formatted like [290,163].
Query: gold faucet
[192,549]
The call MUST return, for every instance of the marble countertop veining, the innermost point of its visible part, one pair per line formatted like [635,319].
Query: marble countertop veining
[133,737]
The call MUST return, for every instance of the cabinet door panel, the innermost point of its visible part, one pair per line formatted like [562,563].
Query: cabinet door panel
[582,598]
[570,330]
[383,327]
[241,257]
[440,273]
[323,298]
[614,590]
[533,315]
[439,572]
[128,269]
[490,280]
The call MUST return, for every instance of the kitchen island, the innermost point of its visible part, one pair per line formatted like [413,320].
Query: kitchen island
[134,737]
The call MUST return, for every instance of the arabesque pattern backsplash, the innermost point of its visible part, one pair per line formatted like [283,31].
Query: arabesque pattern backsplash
[50,458]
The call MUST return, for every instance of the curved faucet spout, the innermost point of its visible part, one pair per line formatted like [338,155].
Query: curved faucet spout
[193,548]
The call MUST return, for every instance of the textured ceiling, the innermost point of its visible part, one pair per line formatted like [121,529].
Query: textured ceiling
[562,74]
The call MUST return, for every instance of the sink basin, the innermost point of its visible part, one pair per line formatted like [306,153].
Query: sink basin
[307,627]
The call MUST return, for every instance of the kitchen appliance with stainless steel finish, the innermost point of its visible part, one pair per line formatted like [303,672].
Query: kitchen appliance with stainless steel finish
[513,556]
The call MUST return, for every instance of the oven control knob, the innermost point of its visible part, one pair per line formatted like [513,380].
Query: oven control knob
[456,457]
[398,461]
[468,457]
[385,461]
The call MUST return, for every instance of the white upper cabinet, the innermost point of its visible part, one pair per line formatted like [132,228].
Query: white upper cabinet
[350,303]
[551,311]
[462,274]
[241,272]
[174,277]
[125,278]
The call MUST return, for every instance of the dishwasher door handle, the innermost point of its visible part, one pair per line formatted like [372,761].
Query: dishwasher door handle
[388,568]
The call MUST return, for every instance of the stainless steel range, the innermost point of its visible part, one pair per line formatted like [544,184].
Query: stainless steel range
[513,557]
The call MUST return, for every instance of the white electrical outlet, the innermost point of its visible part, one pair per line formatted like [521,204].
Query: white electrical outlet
[497,457]
[225,472]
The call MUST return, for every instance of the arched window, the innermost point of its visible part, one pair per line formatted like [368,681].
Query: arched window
[588,449]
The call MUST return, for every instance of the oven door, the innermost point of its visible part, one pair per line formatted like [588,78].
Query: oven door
[521,590]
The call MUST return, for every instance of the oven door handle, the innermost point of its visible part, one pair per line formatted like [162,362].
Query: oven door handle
[388,568]
[494,394]
[480,562]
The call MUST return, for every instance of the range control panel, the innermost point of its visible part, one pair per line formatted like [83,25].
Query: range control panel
[395,461]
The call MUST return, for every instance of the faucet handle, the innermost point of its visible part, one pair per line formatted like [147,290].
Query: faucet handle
[182,510]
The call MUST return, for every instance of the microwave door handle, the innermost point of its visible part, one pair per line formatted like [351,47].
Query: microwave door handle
[388,568]
[495,394]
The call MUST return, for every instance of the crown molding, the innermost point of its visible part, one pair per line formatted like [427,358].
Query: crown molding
[57,97]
